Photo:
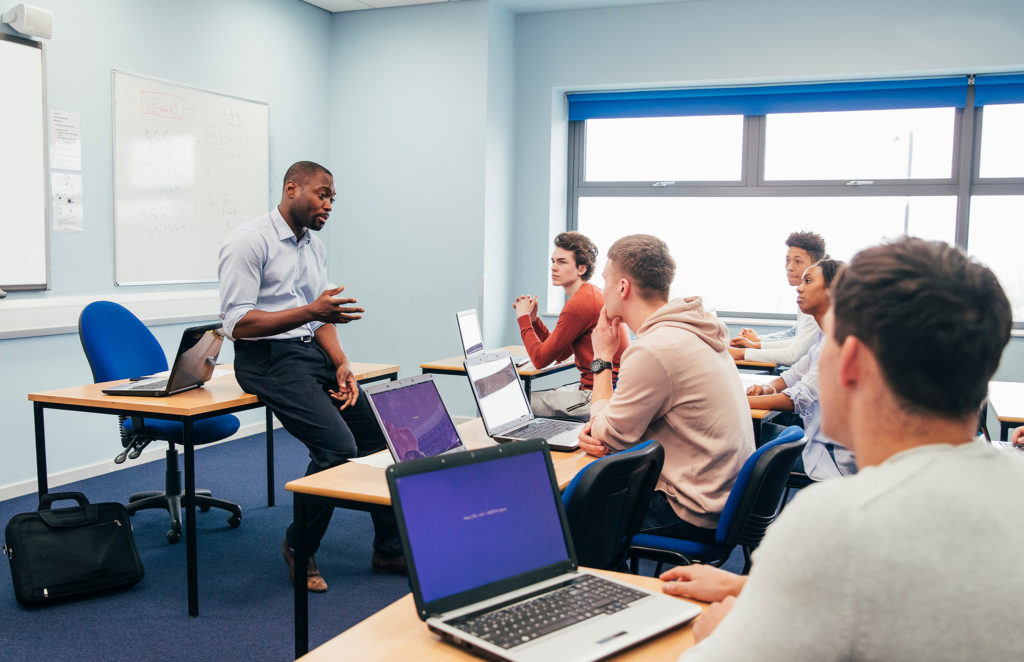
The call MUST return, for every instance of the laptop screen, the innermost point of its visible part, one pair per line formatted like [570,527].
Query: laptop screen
[478,523]
[197,356]
[498,392]
[415,420]
[469,330]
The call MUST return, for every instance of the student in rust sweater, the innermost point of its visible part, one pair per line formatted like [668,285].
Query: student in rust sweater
[678,385]
[572,265]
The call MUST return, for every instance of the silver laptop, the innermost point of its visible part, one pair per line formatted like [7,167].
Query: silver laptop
[413,418]
[492,566]
[193,365]
[472,337]
[505,409]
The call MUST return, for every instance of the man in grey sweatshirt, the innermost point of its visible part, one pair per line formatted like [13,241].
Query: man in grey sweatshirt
[915,557]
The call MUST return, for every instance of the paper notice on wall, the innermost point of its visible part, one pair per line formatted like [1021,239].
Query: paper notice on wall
[66,194]
[65,140]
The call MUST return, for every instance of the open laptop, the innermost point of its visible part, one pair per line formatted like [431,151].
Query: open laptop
[413,418]
[505,409]
[193,365]
[472,338]
[488,548]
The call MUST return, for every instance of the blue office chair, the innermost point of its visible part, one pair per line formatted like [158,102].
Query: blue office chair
[118,345]
[606,502]
[752,505]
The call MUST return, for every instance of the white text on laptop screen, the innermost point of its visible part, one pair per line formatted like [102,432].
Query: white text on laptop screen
[416,421]
[498,392]
[476,524]
[469,327]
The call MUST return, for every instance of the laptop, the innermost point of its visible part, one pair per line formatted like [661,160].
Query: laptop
[193,365]
[472,338]
[413,418]
[488,548]
[505,409]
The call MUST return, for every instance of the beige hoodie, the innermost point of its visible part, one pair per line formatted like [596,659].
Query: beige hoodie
[678,384]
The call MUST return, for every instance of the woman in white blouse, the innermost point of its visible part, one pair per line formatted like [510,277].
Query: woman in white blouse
[796,389]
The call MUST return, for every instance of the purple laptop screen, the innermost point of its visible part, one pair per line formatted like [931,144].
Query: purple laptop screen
[478,523]
[416,421]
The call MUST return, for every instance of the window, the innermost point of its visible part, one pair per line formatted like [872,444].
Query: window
[723,176]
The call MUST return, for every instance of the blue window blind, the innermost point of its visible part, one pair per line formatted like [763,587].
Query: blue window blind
[1005,88]
[760,100]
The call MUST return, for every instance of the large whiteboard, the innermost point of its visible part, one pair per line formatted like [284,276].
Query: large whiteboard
[24,204]
[189,166]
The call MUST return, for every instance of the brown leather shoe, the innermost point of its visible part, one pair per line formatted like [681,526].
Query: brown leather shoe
[314,580]
[395,564]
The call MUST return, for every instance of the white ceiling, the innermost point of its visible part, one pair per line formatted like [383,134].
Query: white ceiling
[516,6]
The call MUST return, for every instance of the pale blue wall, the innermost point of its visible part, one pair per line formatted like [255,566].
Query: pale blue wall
[270,50]
[419,146]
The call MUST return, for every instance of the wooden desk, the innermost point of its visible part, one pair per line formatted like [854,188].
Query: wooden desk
[757,416]
[1007,400]
[362,487]
[396,633]
[221,395]
[453,366]
[744,364]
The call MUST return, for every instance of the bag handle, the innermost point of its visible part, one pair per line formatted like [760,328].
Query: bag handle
[46,500]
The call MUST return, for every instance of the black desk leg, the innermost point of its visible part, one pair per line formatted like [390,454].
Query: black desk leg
[526,386]
[757,432]
[270,458]
[301,593]
[190,519]
[41,483]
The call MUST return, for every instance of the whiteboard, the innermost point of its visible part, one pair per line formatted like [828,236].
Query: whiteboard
[189,167]
[24,194]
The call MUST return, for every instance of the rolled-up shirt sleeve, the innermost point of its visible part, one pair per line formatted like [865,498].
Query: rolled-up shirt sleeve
[802,383]
[240,267]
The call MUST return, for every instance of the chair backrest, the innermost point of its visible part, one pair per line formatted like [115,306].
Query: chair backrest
[117,343]
[606,502]
[754,501]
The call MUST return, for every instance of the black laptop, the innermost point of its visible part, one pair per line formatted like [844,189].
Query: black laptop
[193,365]
[492,566]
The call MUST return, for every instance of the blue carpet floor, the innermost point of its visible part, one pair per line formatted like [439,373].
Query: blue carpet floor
[245,598]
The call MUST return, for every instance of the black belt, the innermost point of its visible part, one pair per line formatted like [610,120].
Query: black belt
[300,339]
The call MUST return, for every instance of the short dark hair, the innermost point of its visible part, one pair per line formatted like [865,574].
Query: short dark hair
[300,171]
[812,242]
[584,251]
[829,269]
[936,320]
[647,262]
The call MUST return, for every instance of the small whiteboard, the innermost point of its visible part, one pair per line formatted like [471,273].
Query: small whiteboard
[189,167]
[24,193]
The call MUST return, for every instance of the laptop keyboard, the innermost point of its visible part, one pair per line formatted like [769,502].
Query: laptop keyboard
[582,598]
[148,386]
[543,428]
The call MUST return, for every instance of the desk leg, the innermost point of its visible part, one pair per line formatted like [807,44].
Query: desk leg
[270,458]
[1004,432]
[526,387]
[41,483]
[757,432]
[190,519]
[301,593]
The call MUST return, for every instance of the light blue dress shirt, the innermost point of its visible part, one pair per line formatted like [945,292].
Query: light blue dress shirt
[802,388]
[263,267]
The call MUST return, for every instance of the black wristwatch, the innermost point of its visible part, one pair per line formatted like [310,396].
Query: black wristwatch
[597,365]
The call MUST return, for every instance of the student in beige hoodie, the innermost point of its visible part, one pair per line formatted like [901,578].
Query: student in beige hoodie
[677,384]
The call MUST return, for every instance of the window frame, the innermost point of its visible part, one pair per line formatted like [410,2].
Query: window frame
[963,183]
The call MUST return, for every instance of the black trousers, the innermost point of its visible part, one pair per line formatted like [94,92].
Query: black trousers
[661,520]
[293,379]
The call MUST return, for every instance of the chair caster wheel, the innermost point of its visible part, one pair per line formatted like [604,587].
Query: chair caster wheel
[173,536]
[235,521]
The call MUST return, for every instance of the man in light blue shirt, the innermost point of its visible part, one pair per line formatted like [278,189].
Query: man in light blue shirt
[278,311]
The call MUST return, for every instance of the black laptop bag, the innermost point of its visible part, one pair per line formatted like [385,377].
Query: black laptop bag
[64,553]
